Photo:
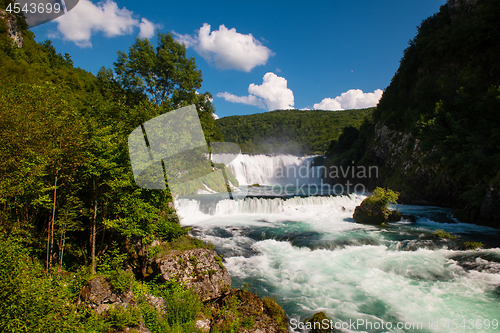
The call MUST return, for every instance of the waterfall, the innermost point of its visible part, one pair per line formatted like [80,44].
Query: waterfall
[193,210]
[273,169]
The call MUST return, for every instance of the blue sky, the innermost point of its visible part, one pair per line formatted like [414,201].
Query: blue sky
[257,56]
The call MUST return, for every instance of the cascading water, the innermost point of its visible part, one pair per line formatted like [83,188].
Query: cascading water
[309,254]
[273,169]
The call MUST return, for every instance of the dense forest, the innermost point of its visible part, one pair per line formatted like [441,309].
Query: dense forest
[442,113]
[69,206]
[289,131]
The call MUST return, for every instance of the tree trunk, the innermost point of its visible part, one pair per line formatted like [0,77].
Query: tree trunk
[50,234]
[93,230]
[61,247]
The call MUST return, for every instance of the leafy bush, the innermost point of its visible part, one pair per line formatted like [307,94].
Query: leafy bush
[473,245]
[182,306]
[443,234]
[382,197]
[28,294]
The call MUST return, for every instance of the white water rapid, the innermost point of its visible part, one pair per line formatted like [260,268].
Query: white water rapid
[311,256]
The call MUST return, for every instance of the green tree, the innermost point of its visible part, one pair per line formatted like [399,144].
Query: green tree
[162,73]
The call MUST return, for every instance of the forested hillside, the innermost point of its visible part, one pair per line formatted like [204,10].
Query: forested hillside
[289,131]
[69,207]
[436,128]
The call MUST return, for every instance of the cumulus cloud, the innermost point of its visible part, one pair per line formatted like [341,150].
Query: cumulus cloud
[147,28]
[86,19]
[272,94]
[227,48]
[215,116]
[351,99]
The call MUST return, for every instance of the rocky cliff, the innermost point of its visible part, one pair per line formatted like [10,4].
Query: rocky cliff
[406,168]
[13,29]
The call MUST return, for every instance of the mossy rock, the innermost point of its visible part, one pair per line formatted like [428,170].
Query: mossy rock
[394,216]
[317,321]
[371,213]
[243,312]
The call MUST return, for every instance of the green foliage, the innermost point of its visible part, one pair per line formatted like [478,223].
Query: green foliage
[447,93]
[28,294]
[218,260]
[443,234]
[469,245]
[182,306]
[120,318]
[276,312]
[382,197]
[166,76]
[289,131]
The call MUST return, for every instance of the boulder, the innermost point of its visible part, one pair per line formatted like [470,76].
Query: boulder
[369,213]
[99,296]
[317,323]
[201,269]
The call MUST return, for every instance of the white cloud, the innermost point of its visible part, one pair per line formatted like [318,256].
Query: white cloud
[272,94]
[86,19]
[227,48]
[215,116]
[147,28]
[351,99]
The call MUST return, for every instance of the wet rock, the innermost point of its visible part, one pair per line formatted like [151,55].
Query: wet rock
[369,213]
[410,218]
[201,269]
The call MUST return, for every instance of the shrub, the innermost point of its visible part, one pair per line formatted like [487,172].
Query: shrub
[383,197]
[473,245]
[443,234]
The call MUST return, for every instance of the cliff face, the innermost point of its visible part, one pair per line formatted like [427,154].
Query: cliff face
[13,29]
[400,157]
[404,167]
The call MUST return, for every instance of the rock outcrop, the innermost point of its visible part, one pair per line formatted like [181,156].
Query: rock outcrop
[369,213]
[201,269]
[99,296]
[401,156]
[251,314]
[13,30]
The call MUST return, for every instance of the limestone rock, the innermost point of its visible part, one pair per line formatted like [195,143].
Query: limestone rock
[201,269]
[99,296]
[12,28]
[203,325]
